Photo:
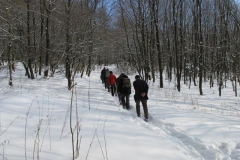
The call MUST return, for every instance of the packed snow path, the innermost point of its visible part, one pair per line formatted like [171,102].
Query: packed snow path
[190,147]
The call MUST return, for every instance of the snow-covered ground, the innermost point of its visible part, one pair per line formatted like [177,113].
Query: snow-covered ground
[35,121]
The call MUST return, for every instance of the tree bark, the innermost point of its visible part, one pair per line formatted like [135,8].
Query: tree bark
[29,50]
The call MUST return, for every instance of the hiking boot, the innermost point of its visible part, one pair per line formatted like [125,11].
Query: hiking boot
[146,120]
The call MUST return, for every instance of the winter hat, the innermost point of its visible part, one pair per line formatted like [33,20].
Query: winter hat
[137,77]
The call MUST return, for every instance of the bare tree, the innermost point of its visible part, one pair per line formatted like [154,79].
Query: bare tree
[200,43]
[29,35]
[156,25]
[10,50]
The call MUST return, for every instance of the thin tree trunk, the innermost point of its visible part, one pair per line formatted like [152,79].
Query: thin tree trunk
[158,44]
[41,37]
[68,41]
[178,76]
[29,40]
[47,30]
[9,55]
[201,47]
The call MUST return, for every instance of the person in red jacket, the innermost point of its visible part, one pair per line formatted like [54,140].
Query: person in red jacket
[111,82]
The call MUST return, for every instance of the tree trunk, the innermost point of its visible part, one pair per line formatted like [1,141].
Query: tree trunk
[152,39]
[41,37]
[68,41]
[200,46]
[178,76]
[158,46]
[29,50]
[10,59]
[47,30]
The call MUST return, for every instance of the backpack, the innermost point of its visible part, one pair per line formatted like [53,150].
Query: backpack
[126,83]
[107,73]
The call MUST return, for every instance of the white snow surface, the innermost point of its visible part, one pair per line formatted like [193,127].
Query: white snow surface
[35,121]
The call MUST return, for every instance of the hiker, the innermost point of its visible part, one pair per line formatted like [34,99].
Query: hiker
[107,73]
[111,82]
[141,91]
[124,89]
[118,93]
[103,75]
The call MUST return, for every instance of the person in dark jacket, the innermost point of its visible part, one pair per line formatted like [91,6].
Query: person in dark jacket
[141,91]
[111,82]
[124,92]
[107,73]
[117,83]
[103,75]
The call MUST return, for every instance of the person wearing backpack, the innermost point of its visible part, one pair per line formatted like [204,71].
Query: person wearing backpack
[141,95]
[117,83]
[107,73]
[124,89]
[111,82]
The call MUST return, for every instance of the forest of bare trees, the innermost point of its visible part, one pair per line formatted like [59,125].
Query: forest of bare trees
[194,41]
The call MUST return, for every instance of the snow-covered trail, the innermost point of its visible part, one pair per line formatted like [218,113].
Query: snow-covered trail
[163,132]
[192,147]
[166,132]
[107,130]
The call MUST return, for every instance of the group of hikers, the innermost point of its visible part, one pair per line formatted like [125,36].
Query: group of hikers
[121,86]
